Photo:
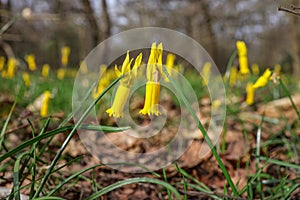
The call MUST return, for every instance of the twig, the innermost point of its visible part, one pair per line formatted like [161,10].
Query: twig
[289,10]
[295,8]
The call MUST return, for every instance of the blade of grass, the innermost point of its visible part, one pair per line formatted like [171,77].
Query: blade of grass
[49,198]
[258,139]
[279,162]
[166,180]
[181,171]
[184,181]
[66,120]
[32,150]
[204,133]
[6,123]
[16,187]
[32,167]
[67,140]
[201,190]
[58,131]
[89,168]
[251,181]
[229,65]
[131,181]
[290,97]
[291,190]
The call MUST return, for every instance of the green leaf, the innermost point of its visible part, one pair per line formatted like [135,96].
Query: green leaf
[131,181]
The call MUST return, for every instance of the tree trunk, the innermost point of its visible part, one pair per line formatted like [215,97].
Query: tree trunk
[295,43]
[106,20]
[89,13]
[208,22]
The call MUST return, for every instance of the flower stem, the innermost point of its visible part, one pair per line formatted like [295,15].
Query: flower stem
[290,97]
[204,133]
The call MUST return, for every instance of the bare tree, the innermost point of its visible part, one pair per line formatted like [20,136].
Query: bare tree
[106,20]
[89,13]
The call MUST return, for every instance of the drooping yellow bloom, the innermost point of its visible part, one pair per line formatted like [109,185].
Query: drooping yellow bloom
[243,59]
[30,59]
[2,62]
[83,68]
[123,90]
[170,62]
[11,68]
[45,70]
[216,104]
[65,52]
[263,80]
[250,94]
[45,104]
[103,81]
[61,73]
[255,69]
[206,73]
[26,79]
[154,69]
[233,76]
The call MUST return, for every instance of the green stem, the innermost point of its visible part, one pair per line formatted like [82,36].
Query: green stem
[290,97]
[204,133]
[229,65]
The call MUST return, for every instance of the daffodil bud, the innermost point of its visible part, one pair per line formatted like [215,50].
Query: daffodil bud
[263,80]
[45,104]
[26,79]
[250,94]
[243,60]
[45,70]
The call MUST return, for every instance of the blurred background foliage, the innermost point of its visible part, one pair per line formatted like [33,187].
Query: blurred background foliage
[42,27]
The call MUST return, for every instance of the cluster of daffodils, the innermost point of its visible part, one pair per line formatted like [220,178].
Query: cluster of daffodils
[9,71]
[260,82]
[244,71]
[255,70]
[45,103]
[153,74]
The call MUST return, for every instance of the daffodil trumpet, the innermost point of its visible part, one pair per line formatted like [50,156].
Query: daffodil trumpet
[243,59]
[250,94]
[123,91]
[154,70]
[263,80]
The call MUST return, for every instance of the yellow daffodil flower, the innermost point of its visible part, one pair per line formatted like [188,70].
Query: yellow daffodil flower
[170,62]
[206,73]
[250,94]
[263,80]
[26,79]
[61,73]
[45,104]
[83,68]
[11,67]
[216,104]
[103,81]
[30,59]
[255,69]
[45,70]
[123,90]
[243,60]
[2,62]
[65,52]
[154,69]
[233,76]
